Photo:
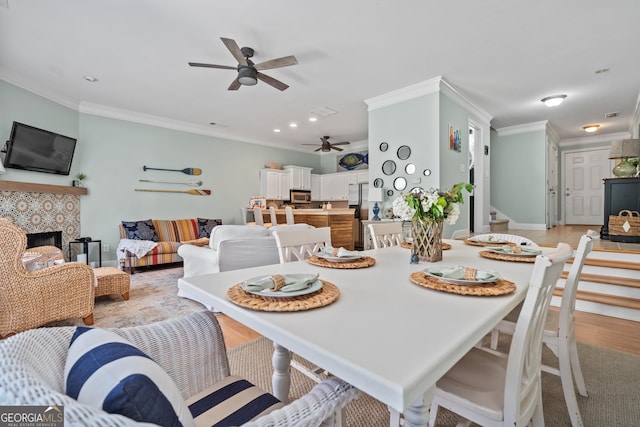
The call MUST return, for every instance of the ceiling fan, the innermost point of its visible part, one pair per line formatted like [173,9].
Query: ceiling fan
[248,72]
[328,146]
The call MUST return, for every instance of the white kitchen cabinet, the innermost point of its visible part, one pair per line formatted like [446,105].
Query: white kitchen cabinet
[315,187]
[333,187]
[363,177]
[299,177]
[274,184]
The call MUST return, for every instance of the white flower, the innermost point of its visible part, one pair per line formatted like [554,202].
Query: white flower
[402,210]
[454,213]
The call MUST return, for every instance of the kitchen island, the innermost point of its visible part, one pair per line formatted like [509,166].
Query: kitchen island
[340,220]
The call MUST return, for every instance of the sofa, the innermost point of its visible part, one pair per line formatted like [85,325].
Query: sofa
[155,242]
[232,247]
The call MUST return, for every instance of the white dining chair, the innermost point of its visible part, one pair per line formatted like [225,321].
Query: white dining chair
[294,245]
[385,234]
[491,390]
[272,215]
[257,218]
[559,333]
[288,211]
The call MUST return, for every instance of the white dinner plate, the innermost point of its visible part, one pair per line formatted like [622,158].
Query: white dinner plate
[521,254]
[315,286]
[481,239]
[490,279]
[340,258]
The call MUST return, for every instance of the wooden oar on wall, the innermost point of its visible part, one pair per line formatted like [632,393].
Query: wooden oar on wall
[188,171]
[194,192]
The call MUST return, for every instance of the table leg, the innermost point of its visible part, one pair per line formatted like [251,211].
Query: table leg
[416,414]
[281,380]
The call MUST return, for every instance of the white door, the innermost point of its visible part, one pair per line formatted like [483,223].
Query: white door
[584,189]
[552,186]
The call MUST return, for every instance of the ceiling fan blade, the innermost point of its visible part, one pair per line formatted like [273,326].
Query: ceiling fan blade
[340,143]
[235,85]
[308,144]
[224,67]
[336,148]
[318,149]
[235,50]
[285,61]
[271,81]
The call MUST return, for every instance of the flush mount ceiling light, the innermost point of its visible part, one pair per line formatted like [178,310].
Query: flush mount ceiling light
[554,100]
[90,79]
[590,128]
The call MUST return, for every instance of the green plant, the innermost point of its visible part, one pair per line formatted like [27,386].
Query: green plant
[81,176]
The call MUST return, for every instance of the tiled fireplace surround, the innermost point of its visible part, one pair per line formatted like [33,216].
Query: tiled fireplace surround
[38,208]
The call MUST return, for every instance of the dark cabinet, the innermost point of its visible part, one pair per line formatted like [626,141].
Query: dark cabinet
[620,194]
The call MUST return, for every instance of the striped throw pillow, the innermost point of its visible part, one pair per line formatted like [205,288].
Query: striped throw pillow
[231,402]
[104,370]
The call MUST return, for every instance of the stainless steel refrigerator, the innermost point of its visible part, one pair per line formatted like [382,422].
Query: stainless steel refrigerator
[358,194]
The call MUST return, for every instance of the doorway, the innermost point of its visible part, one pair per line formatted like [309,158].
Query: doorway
[583,188]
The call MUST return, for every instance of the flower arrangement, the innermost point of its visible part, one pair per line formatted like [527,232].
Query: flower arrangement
[431,205]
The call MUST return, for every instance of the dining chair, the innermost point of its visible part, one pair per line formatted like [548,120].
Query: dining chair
[559,333]
[295,245]
[288,211]
[491,390]
[385,234]
[272,215]
[257,217]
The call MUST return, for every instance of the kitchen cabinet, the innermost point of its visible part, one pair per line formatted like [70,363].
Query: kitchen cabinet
[274,184]
[315,187]
[333,187]
[620,194]
[299,177]
[363,177]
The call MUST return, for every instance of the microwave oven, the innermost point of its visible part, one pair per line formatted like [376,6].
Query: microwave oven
[300,196]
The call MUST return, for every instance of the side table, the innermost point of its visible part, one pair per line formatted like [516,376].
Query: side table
[85,249]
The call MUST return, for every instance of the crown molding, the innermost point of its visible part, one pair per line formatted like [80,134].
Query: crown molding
[44,93]
[404,94]
[453,93]
[594,139]
[527,127]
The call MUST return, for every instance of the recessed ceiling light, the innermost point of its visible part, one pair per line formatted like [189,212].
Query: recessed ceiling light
[276,130]
[212,123]
[554,100]
[293,125]
[590,128]
[324,111]
[90,78]
[313,119]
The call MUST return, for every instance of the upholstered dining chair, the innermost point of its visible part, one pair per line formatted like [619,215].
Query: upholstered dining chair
[29,299]
[491,390]
[559,333]
[385,234]
[37,367]
[294,245]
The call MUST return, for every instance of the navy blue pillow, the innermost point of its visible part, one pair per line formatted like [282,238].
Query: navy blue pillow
[206,225]
[140,230]
[104,370]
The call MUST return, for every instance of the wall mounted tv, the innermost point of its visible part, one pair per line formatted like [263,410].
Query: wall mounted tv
[38,150]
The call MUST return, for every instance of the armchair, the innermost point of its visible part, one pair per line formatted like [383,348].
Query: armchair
[32,366]
[32,299]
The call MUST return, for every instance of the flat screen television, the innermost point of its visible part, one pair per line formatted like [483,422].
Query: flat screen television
[39,150]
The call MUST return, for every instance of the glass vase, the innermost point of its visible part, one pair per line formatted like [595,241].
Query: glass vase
[427,239]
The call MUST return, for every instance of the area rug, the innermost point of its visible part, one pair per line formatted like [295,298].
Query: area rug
[612,380]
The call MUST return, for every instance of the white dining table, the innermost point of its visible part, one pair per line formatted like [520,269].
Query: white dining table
[385,335]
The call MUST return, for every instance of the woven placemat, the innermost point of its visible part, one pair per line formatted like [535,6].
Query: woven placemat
[360,263]
[407,245]
[475,243]
[500,287]
[507,257]
[325,296]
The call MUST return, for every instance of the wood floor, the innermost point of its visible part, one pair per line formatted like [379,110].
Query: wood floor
[611,332]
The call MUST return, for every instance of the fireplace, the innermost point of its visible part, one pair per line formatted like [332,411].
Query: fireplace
[49,238]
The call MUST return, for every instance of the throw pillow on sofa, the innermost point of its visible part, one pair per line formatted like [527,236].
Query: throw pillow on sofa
[140,230]
[206,225]
[104,370]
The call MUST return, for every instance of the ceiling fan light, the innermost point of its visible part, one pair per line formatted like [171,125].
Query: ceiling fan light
[247,76]
[554,100]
